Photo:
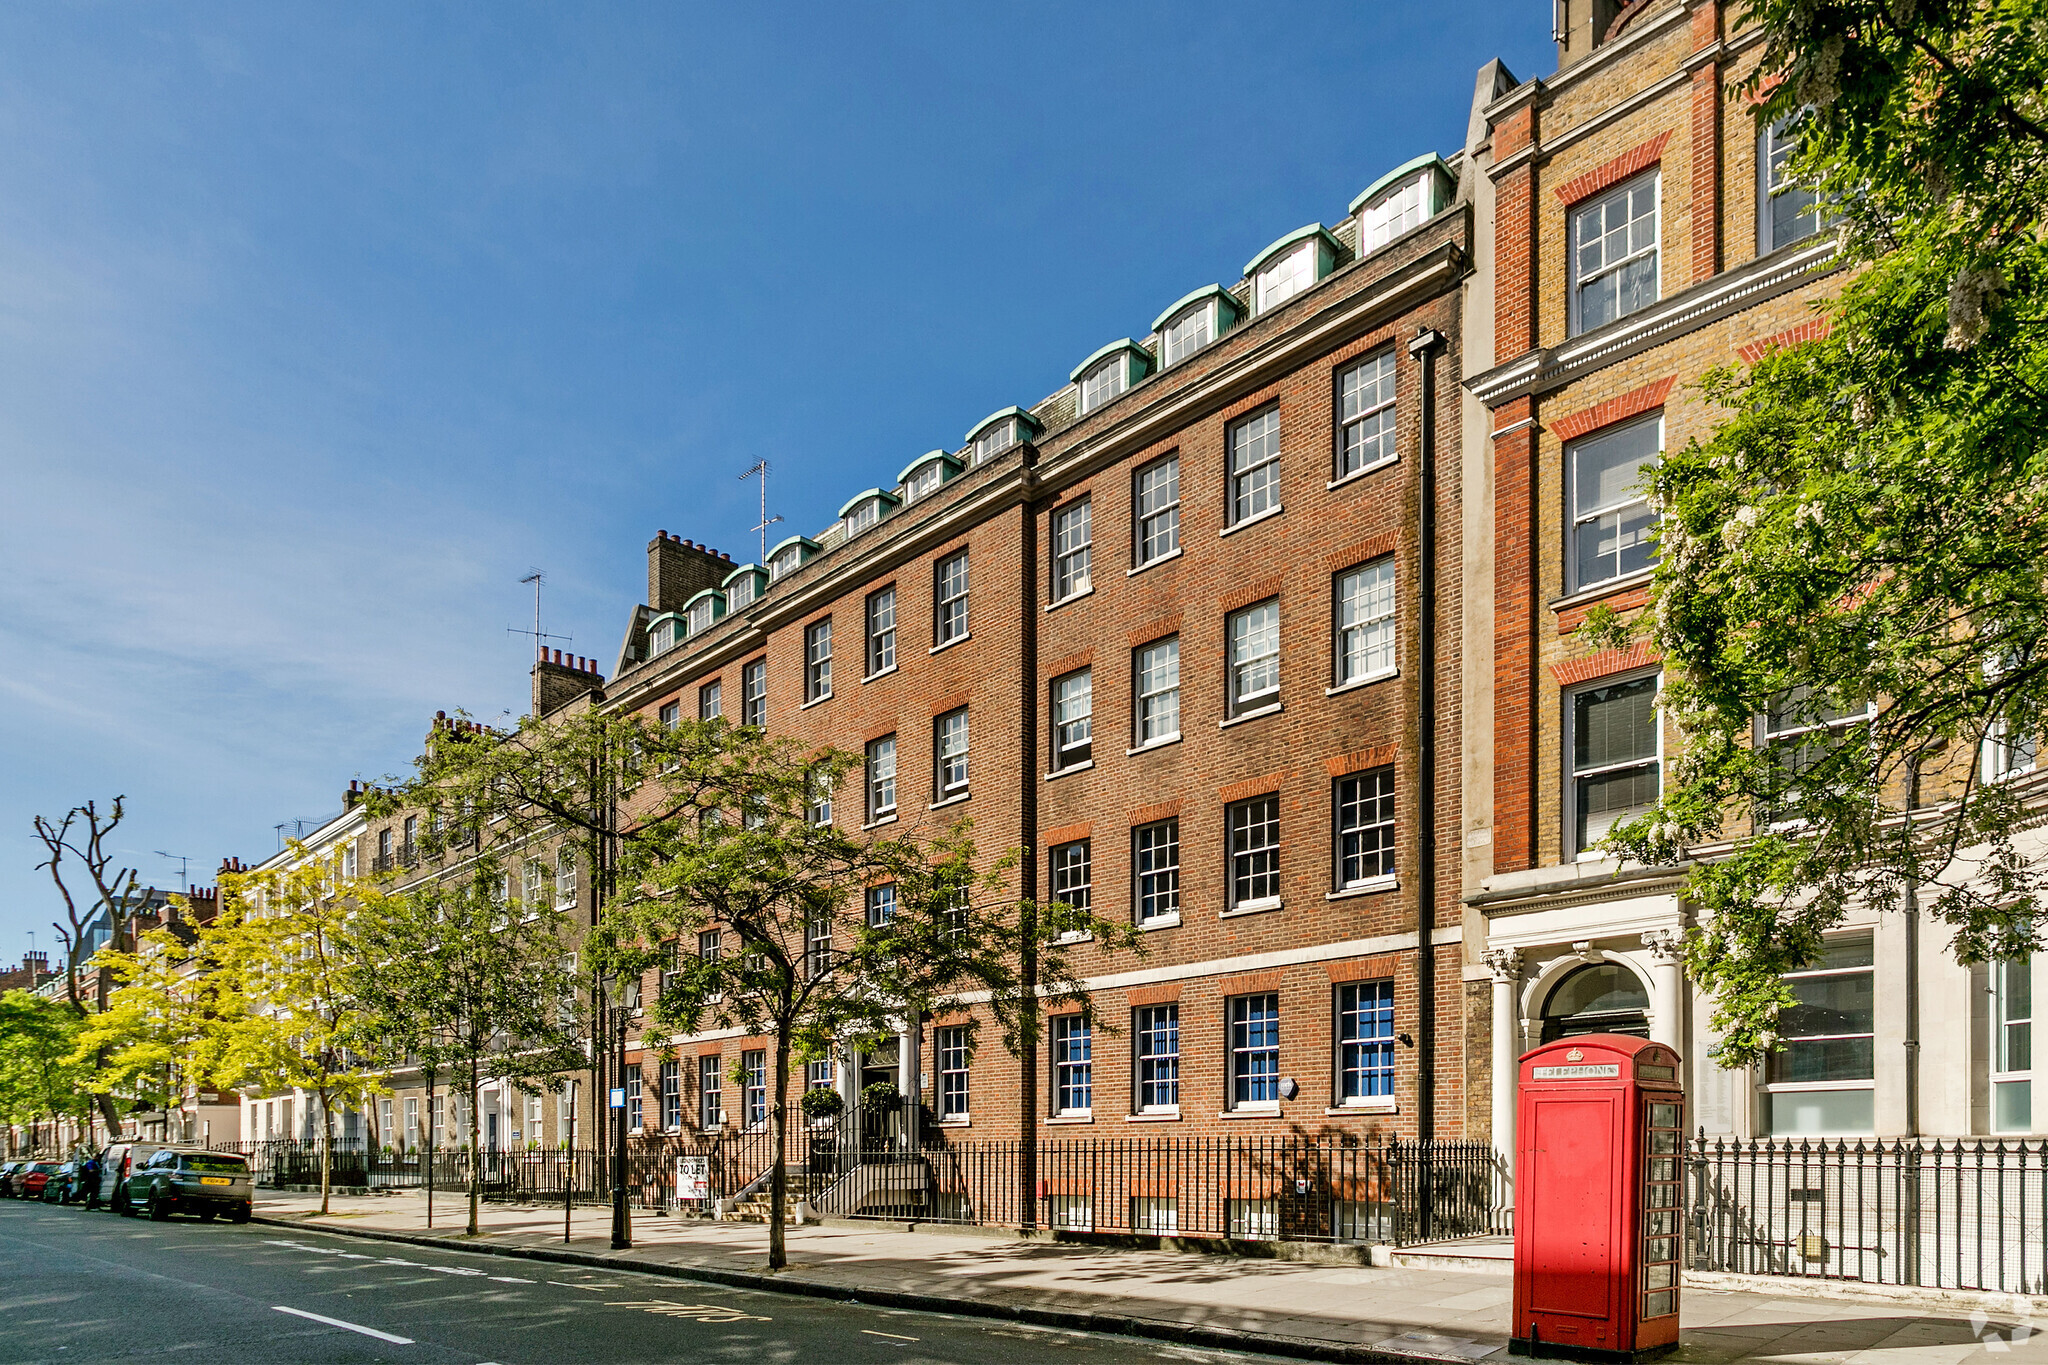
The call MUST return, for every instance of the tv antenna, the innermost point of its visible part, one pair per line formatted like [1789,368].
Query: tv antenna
[183,862]
[540,638]
[761,468]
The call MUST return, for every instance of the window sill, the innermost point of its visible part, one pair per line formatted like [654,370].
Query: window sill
[1167,558]
[962,638]
[1367,681]
[1150,745]
[1088,591]
[1159,922]
[1378,1106]
[815,701]
[946,801]
[1604,588]
[1065,1119]
[1355,475]
[1272,709]
[1069,771]
[1252,521]
[1249,1113]
[1250,908]
[888,819]
[883,673]
[956,1121]
[1372,886]
[1157,1116]
[1075,936]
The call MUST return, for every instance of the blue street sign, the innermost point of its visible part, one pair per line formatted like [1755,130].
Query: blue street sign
[618,1097]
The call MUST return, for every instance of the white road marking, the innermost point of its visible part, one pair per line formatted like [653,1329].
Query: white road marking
[347,1326]
[696,1312]
[898,1336]
[507,1279]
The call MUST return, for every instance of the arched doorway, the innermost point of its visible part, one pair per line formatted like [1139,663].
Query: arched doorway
[1600,997]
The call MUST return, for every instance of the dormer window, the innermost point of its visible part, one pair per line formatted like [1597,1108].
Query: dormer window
[1291,265]
[926,473]
[1403,198]
[864,511]
[1194,322]
[743,585]
[703,609]
[664,633]
[787,557]
[1000,430]
[1111,371]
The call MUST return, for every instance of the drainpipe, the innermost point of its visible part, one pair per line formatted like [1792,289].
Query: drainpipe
[1909,902]
[1424,349]
[1027,836]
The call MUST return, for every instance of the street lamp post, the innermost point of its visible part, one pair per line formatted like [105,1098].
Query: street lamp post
[622,1224]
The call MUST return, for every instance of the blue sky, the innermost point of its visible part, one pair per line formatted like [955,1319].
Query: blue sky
[320,326]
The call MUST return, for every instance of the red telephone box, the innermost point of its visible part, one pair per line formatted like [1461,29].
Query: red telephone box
[1599,1125]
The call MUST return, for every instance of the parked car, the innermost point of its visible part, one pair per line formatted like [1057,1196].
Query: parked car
[84,1185]
[7,1174]
[63,1186]
[30,1182]
[117,1163]
[210,1184]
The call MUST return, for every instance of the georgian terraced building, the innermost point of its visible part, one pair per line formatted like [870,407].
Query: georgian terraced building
[1188,631]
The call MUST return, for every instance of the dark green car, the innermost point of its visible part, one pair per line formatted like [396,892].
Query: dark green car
[210,1184]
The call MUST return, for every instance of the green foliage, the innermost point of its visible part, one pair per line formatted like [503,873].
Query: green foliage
[1870,525]
[165,1023]
[40,1074]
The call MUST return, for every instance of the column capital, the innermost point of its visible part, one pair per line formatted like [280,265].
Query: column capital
[1665,944]
[1505,963]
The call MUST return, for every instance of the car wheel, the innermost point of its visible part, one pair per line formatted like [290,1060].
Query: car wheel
[158,1210]
[241,1215]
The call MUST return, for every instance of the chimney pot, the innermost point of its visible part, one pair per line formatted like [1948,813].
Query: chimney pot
[661,535]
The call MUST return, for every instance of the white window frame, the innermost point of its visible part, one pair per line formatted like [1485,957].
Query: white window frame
[1583,850]
[1073,542]
[1286,275]
[1073,718]
[881,777]
[754,693]
[1366,415]
[1104,383]
[1775,737]
[711,699]
[1155,510]
[1588,520]
[1155,1070]
[740,593]
[710,1091]
[950,596]
[1155,681]
[1253,483]
[994,441]
[2007,755]
[1378,818]
[1367,644]
[1775,147]
[1356,1074]
[949,754]
[1583,213]
[565,878]
[955,1092]
[1187,332]
[1155,882]
[1405,206]
[1251,864]
[1252,648]
[2012,1037]
[818,660]
[1776,1088]
[1241,1072]
[880,617]
[1073,1068]
[1070,868]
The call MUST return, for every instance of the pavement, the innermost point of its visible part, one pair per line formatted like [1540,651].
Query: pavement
[1304,1310]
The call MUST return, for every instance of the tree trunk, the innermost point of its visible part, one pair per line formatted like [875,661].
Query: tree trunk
[475,1148]
[326,1151]
[778,1182]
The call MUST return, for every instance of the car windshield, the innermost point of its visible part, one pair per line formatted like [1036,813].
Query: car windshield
[224,1165]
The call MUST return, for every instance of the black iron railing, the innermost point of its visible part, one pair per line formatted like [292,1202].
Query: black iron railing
[1965,1214]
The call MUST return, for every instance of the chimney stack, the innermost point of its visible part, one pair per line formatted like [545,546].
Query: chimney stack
[678,570]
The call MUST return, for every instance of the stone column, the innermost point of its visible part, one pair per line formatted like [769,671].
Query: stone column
[1667,993]
[1506,965]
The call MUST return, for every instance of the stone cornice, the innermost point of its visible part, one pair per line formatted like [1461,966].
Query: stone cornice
[1551,367]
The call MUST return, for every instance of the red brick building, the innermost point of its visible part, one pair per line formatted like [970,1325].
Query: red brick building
[1189,632]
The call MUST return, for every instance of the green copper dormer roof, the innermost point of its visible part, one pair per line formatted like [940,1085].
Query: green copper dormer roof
[1300,234]
[661,616]
[1122,344]
[804,543]
[1398,174]
[717,601]
[888,500]
[1032,426]
[742,570]
[921,461]
[1182,304]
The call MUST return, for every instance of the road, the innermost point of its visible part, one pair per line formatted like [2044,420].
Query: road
[79,1287]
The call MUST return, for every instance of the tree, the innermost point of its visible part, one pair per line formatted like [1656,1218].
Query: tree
[40,1077]
[163,1026]
[83,835]
[470,980]
[1858,551]
[288,943]
[827,936]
